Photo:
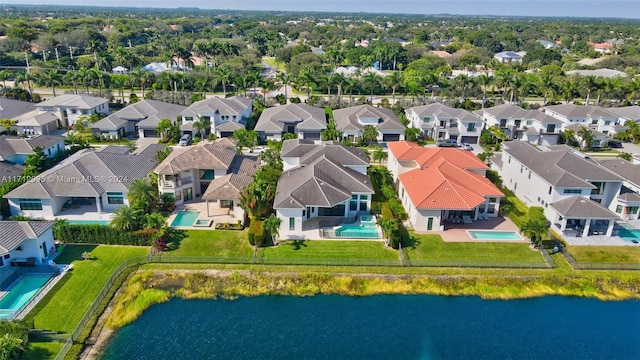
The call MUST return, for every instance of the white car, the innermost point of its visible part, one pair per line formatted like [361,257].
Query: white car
[465,146]
[258,150]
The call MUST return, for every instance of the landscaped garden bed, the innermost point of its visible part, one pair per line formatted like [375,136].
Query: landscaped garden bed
[229,226]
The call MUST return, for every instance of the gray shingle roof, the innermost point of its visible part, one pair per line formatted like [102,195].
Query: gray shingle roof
[306,117]
[9,171]
[229,186]
[74,101]
[626,112]
[15,233]
[90,173]
[581,207]
[347,118]
[146,113]
[507,111]
[443,111]
[572,110]
[560,168]
[10,109]
[307,151]
[230,106]
[35,118]
[623,168]
[218,154]
[11,145]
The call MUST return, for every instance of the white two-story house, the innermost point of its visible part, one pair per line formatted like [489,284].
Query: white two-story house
[225,115]
[515,122]
[69,107]
[438,121]
[304,121]
[575,191]
[602,123]
[351,122]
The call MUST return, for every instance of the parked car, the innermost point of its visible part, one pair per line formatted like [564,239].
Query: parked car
[615,144]
[447,143]
[465,146]
[258,150]
[185,140]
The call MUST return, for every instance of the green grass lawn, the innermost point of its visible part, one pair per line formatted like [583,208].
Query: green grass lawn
[605,254]
[42,350]
[329,249]
[273,62]
[218,243]
[432,247]
[66,304]
[519,211]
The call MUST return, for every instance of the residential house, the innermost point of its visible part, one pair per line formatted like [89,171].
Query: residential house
[212,170]
[598,139]
[159,68]
[25,243]
[593,117]
[575,191]
[626,113]
[603,73]
[306,122]
[548,44]
[515,122]
[320,180]
[36,123]
[10,109]
[603,48]
[141,118]
[627,202]
[352,120]
[509,56]
[120,70]
[93,181]
[436,185]
[438,121]
[9,171]
[16,149]
[225,115]
[69,107]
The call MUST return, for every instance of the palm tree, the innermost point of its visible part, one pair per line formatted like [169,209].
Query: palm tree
[202,125]
[125,218]
[52,78]
[389,226]
[484,80]
[4,76]
[272,226]
[590,83]
[548,85]
[586,136]
[28,78]
[154,221]
[504,79]
[306,78]
[369,133]
[379,154]
[536,226]
[163,127]
[224,73]
[142,191]
[411,133]
[84,75]
[569,90]
[141,77]
[371,81]
[394,81]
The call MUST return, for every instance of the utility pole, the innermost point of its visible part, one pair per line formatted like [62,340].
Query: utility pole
[71,52]
[26,57]
[44,55]
[57,55]
[129,42]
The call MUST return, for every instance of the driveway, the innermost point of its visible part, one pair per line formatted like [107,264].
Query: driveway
[630,148]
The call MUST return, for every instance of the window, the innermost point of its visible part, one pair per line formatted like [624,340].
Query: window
[471,127]
[292,223]
[509,161]
[607,123]
[551,128]
[594,122]
[521,168]
[550,190]
[503,123]
[207,175]
[304,213]
[226,204]
[30,204]
[188,118]
[529,122]
[115,198]
[633,209]
[572,191]
[363,206]
[529,177]
[364,197]
[619,209]
[426,119]
[353,203]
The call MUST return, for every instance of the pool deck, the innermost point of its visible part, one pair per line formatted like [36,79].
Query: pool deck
[458,232]
[216,215]
[43,292]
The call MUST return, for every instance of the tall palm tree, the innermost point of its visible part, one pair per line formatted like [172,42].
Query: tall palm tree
[85,76]
[202,125]
[590,83]
[369,133]
[286,80]
[379,154]
[484,80]
[224,73]
[569,90]
[4,76]
[371,81]
[394,81]
[547,84]
[26,77]
[505,78]
[306,78]
[142,191]
[272,226]
[52,78]
[587,137]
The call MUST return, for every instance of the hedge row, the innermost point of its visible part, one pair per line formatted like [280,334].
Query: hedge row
[255,233]
[102,234]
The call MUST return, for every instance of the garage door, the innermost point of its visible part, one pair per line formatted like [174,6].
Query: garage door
[312,135]
[150,133]
[469,139]
[226,134]
[391,137]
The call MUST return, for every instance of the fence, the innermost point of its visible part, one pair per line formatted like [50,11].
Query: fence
[606,266]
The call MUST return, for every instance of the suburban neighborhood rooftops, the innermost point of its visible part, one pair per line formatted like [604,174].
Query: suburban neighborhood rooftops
[80,101]
[442,111]
[9,171]
[306,117]
[407,151]
[242,170]
[229,106]
[626,112]
[581,207]
[579,111]
[216,154]
[90,173]
[350,118]
[11,145]
[35,118]
[9,109]
[560,168]
[506,111]
[606,73]
[623,168]
[15,232]
[307,151]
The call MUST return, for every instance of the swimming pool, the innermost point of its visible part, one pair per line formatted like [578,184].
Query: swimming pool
[367,219]
[630,235]
[20,294]
[88,222]
[185,218]
[364,231]
[493,235]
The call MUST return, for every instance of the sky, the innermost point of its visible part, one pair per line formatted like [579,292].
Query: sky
[559,8]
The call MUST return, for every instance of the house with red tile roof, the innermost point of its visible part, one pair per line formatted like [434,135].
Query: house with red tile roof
[441,184]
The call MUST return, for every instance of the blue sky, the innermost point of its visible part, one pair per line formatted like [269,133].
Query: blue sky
[560,8]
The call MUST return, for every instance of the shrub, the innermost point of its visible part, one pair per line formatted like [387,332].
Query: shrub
[397,209]
[256,235]
[102,234]
[388,191]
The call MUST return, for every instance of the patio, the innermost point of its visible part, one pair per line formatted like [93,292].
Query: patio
[458,232]
[83,212]
[216,214]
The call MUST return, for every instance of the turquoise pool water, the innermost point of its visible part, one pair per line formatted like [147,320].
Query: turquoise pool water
[493,235]
[630,235]
[366,231]
[185,218]
[367,219]
[88,222]
[20,294]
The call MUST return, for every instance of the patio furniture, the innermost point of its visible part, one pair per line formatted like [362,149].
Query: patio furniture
[467,219]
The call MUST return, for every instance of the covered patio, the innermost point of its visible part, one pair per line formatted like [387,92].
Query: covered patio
[581,217]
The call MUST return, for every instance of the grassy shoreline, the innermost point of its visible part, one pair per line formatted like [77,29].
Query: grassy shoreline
[149,287]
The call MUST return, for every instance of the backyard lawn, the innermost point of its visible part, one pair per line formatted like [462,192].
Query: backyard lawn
[42,350]
[432,247]
[605,254]
[329,249]
[219,243]
[64,306]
